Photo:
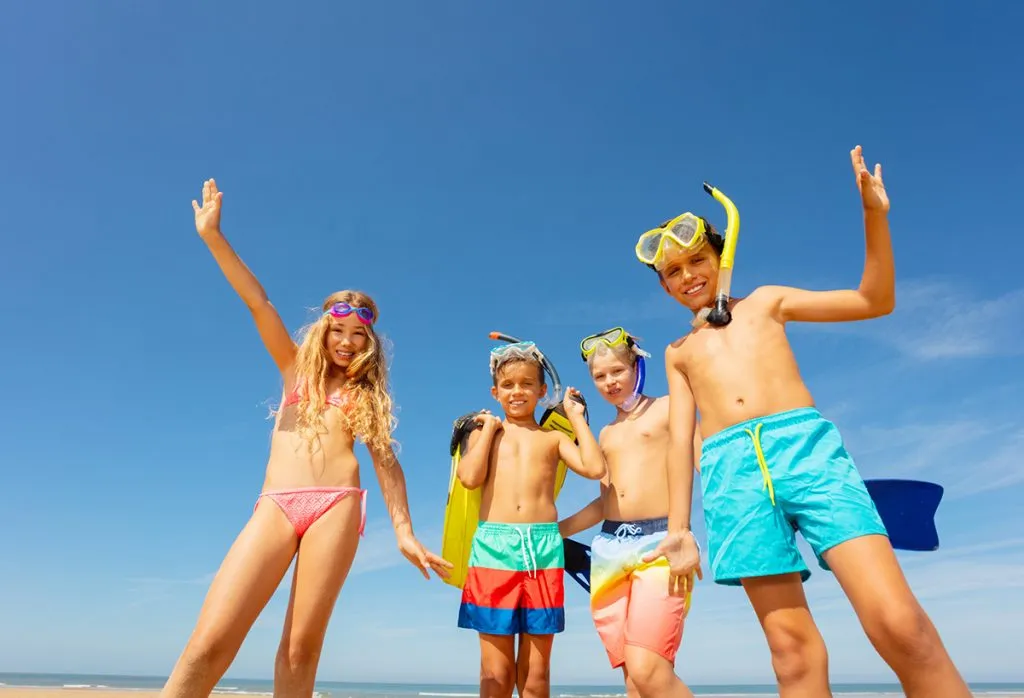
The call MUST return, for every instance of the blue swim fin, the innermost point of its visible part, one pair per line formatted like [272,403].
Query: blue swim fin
[907,508]
[577,562]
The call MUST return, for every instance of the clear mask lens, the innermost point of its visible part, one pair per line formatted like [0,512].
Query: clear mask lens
[685,231]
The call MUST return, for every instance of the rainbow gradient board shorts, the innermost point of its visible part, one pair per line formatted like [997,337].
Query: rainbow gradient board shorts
[515,580]
[629,598]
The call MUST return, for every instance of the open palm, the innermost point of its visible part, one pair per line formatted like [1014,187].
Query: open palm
[872,189]
[208,215]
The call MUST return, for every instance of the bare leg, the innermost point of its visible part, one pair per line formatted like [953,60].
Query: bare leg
[799,657]
[631,690]
[533,670]
[243,585]
[497,665]
[325,557]
[894,621]
[653,675]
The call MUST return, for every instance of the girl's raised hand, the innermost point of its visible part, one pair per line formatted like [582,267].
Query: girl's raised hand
[872,188]
[208,215]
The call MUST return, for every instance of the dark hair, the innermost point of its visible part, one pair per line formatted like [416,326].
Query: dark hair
[517,360]
[714,238]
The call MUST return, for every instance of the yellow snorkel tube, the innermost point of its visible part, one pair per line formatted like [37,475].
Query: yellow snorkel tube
[719,315]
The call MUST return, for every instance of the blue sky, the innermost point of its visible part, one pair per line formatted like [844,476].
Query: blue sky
[477,167]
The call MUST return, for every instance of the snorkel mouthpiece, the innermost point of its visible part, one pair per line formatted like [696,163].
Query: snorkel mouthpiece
[719,314]
[638,386]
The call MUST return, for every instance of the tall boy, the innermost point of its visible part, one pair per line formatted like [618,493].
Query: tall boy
[771,464]
[514,585]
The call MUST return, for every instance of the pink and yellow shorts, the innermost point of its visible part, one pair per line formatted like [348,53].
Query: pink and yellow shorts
[629,598]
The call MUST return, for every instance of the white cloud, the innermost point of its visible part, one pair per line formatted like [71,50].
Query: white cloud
[968,456]
[1000,469]
[943,320]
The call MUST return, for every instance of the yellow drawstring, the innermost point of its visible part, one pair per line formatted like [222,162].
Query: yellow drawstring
[756,437]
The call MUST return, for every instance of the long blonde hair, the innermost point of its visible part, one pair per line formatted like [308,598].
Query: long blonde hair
[368,406]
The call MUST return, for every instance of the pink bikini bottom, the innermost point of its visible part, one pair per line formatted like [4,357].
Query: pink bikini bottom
[304,505]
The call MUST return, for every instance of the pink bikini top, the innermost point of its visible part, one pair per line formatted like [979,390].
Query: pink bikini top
[339,401]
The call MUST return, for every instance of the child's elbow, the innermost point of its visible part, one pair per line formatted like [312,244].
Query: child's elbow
[877,302]
[469,484]
[880,307]
[470,480]
[598,471]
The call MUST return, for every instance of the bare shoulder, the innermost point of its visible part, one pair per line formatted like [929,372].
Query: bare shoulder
[675,351]
[552,436]
[768,297]
[657,411]
[659,405]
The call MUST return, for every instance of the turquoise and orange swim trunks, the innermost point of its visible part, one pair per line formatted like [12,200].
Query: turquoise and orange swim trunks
[514,583]
[765,479]
[629,598]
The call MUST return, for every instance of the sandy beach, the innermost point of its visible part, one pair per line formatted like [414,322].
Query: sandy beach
[11,691]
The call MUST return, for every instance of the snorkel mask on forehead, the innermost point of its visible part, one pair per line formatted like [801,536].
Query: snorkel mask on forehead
[517,349]
[686,233]
[612,338]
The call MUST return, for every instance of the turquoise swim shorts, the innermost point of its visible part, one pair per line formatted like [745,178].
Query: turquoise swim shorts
[764,479]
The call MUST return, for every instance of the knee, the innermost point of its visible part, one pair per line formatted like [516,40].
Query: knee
[208,651]
[497,679]
[797,652]
[299,654]
[536,679]
[905,633]
[649,673]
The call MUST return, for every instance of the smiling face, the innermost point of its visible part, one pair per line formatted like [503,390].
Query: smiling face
[518,387]
[345,338]
[690,277]
[614,374]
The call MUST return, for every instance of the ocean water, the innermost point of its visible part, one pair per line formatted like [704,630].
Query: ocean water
[333,689]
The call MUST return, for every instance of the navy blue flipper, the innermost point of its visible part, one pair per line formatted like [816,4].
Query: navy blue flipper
[907,508]
[577,562]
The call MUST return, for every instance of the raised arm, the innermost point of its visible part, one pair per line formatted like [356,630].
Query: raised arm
[475,462]
[876,295]
[268,323]
[392,488]
[587,460]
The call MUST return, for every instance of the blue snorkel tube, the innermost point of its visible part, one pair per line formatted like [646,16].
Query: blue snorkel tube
[638,385]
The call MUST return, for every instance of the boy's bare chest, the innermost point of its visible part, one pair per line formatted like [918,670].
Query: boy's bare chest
[633,435]
[720,350]
[528,449]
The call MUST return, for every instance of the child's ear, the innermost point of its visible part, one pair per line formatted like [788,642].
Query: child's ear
[494,393]
[661,280]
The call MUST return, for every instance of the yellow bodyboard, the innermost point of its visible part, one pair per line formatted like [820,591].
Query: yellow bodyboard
[462,512]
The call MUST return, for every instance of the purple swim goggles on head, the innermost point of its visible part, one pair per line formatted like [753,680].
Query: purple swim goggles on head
[343,309]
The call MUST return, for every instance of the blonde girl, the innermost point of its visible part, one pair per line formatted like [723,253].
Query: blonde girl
[335,391]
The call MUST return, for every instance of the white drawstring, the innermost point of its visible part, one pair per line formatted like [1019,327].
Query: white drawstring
[526,543]
[626,529]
